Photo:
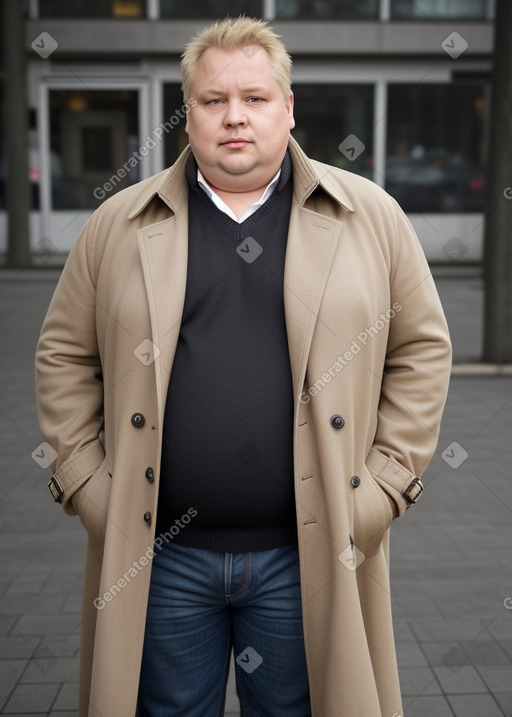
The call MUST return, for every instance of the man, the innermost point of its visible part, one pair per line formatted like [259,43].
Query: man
[242,373]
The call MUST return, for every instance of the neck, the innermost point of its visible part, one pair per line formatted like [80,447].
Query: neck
[238,201]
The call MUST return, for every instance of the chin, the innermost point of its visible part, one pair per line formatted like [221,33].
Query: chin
[237,168]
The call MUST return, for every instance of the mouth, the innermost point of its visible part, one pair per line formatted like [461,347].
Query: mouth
[235,143]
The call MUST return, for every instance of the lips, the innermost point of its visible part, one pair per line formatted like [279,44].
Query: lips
[236,143]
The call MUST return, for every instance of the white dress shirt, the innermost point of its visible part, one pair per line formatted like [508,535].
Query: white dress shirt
[221,204]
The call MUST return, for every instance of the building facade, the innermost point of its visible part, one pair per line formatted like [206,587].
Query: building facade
[396,90]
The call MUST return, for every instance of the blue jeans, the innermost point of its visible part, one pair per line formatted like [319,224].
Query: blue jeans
[204,603]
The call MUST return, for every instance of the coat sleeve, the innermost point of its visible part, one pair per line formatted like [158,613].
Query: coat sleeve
[416,371]
[69,386]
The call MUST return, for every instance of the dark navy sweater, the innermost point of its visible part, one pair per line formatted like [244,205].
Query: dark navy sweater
[227,457]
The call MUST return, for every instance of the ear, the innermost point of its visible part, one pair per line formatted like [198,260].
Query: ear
[289,109]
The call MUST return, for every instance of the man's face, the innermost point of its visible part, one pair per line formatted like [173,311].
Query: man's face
[239,128]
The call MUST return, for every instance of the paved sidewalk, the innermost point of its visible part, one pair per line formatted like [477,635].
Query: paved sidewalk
[451,554]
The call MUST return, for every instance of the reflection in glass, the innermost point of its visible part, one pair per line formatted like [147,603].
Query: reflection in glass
[435,147]
[92,8]
[206,9]
[175,137]
[428,9]
[326,115]
[327,9]
[93,137]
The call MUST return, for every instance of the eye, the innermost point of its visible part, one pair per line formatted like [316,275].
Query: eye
[255,100]
[216,101]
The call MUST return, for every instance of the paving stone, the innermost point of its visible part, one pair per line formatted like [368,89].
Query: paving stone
[497,677]
[459,680]
[474,706]
[502,627]
[10,673]
[485,652]
[416,681]
[73,604]
[67,646]
[441,631]
[26,699]
[506,645]
[67,699]
[15,646]
[427,707]
[7,623]
[31,583]
[409,654]
[44,624]
[402,630]
[30,603]
[46,667]
[439,654]
[504,699]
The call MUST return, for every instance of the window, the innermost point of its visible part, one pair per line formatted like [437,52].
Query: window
[325,116]
[435,146]
[94,140]
[430,9]
[92,8]
[327,9]
[206,9]
[334,124]
[173,122]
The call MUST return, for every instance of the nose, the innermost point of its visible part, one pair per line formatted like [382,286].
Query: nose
[235,114]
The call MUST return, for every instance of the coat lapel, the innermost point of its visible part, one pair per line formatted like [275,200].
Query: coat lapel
[163,249]
[312,241]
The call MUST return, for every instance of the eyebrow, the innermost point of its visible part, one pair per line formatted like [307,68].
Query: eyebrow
[245,91]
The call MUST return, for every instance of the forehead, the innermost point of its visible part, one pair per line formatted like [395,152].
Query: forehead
[220,68]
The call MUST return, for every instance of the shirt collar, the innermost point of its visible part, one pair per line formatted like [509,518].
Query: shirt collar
[213,195]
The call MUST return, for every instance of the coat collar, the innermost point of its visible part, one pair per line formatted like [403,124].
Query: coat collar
[308,175]
[170,185]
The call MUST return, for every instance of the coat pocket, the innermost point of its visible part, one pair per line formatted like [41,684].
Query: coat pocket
[90,502]
[374,511]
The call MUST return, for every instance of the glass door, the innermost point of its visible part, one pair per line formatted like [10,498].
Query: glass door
[90,147]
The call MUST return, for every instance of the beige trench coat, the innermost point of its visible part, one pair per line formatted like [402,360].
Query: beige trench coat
[367,340]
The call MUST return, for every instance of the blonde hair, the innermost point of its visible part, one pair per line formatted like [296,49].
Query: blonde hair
[235,33]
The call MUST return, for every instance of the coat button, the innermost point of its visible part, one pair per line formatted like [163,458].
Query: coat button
[138,420]
[147,517]
[355,481]
[150,474]
[337,421]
